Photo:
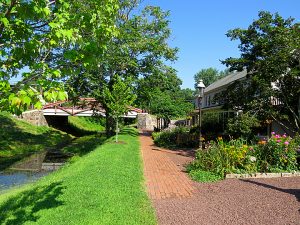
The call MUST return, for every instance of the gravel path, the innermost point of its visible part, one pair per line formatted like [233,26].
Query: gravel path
[255,201]
[231,201]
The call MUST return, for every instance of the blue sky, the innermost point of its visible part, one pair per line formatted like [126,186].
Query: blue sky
[199,29]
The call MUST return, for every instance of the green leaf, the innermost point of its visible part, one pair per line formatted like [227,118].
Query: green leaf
[5,21]
[38,105]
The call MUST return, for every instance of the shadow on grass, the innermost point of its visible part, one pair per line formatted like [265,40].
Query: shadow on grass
[21,208]
[84,145]
[129,131]
[295,192]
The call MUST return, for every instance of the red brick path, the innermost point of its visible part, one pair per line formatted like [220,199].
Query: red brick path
[163,178]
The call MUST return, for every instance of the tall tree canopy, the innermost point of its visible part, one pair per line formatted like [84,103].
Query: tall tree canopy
[161,95]
[209,75]
[270,51]
[36,42]
[139,49]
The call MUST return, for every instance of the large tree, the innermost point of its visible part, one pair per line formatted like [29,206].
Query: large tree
[36,42]
[139,48]
[161,95]
[270,52]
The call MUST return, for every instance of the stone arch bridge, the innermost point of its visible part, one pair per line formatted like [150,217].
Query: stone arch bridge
[57,113]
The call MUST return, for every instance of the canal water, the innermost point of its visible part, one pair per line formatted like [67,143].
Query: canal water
[31,169]
[12,178]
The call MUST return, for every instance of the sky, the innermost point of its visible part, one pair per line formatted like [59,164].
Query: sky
[199,29]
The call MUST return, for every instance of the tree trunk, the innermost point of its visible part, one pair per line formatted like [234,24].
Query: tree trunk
[117,129]
[110,124]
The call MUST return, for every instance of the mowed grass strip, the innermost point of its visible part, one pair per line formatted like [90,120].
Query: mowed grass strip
[105,186]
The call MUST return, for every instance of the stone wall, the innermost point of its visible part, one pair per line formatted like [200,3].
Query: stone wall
[146,121]
[35,117]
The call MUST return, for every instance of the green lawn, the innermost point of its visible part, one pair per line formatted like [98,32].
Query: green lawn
[105,186]
[19,139]
[86,125]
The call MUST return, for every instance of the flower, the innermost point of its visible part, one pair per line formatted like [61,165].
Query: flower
[273,133]
[252,158]
[262,142]
[277,136]
[286,142]
[284,135]
[278,140]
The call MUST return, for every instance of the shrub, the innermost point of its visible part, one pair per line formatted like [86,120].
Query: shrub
[277,154]
[221,158]
[169,138]
[242,126]
[204,176]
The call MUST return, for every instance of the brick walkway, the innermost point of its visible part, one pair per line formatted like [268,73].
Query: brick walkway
[164,179]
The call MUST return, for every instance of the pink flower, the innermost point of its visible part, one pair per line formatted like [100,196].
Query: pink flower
[277,136]
[278,140]
[286,143]
[284,135]
[273,133]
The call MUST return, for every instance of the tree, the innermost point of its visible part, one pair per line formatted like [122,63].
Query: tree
[270,52]
[209,75]
[161,95]
[118,98]
[138,50]
[34,33]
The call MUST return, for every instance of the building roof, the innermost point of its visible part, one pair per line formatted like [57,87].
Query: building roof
[226,80]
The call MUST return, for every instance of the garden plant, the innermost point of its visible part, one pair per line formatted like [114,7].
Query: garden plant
[277,154]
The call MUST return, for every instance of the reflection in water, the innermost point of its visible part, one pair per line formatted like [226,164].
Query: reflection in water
[31,163]
[31,169]
[11,178]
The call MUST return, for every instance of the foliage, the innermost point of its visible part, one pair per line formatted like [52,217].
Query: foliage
[169,138]
[204,176]
[242,126]
[277,154]
[83,145]
[39,39]
[209,76]
[161,95]
[19,139]
[222,158]
[87,124]
[103,187]
[270,54]
[139,49]
[117,99]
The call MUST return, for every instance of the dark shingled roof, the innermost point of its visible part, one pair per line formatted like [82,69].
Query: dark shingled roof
[226,80]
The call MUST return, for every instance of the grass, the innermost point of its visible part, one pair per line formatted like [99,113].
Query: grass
[103,187]
[204,176]
[19,139]
[87,125]
[83,145]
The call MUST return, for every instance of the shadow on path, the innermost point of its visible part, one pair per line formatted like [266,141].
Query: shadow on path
[21,208]
[187,152]
[295,192]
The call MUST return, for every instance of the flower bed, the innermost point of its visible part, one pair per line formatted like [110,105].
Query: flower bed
[278,154]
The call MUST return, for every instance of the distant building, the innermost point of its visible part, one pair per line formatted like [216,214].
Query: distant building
[212,109]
